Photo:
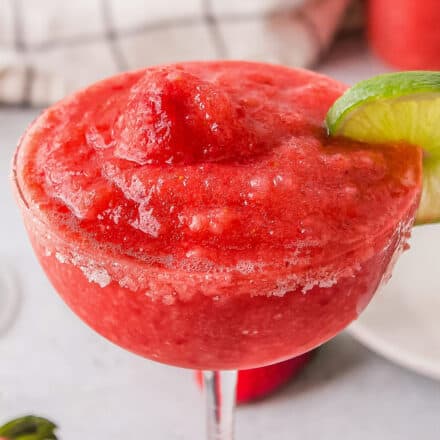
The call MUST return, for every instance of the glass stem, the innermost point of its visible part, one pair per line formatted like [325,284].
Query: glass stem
[220,389]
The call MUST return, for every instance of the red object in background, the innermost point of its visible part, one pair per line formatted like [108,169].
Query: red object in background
[406,33]
[259,382]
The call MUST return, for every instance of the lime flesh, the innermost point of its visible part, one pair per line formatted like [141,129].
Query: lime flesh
[397,107]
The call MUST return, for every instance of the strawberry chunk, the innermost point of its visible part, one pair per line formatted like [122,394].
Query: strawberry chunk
[174,117]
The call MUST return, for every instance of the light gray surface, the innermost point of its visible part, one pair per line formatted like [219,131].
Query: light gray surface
[51,364]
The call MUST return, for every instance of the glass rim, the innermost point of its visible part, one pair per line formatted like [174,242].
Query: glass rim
[14,176]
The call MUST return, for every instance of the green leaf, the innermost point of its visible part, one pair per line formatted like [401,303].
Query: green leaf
[29,428]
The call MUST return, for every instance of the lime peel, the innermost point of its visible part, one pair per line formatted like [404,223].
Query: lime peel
[397,107]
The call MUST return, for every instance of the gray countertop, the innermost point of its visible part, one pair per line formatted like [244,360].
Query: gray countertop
[53,365]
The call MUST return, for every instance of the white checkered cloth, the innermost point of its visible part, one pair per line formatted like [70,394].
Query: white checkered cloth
[48,48]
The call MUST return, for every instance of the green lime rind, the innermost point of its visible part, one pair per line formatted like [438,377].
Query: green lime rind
[397,107]
[386,86]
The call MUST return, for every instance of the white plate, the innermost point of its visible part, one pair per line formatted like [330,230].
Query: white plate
[402,323]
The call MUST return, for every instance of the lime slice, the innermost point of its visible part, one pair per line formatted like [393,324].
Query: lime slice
[397,107]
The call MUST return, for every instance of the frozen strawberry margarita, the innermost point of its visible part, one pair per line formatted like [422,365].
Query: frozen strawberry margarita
[197,214]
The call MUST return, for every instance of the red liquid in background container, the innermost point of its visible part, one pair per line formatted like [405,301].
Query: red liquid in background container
[406,33]
[257,383]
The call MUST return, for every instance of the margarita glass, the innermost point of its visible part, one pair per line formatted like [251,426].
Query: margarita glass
[198,215]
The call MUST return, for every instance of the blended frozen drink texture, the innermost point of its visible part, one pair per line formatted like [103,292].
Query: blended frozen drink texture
[197,214]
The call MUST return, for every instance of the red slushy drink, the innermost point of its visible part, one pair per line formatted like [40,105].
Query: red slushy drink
[197,214]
